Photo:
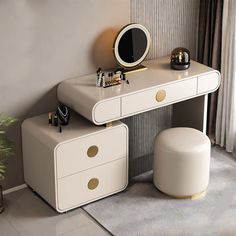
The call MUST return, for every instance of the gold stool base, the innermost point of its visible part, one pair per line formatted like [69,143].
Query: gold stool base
[192,197]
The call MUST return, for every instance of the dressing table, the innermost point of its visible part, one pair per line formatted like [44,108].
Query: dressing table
[89,159]
[155,87]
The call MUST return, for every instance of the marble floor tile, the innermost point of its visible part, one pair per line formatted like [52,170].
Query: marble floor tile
[6,229]
[88,230]
[28,215]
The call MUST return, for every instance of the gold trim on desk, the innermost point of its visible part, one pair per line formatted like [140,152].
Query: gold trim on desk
[109,124]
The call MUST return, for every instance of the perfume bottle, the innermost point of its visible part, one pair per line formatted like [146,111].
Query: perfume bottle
[99,78]
[55,120]
[50,118]
[103,80]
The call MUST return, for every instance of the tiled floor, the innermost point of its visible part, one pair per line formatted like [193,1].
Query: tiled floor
[28,215]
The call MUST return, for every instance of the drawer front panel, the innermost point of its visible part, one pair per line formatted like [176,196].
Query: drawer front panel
[153,98]
[208,83]
[105,111]
[92,184]
[93,150]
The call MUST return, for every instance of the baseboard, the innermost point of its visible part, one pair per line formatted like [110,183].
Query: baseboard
[10,190]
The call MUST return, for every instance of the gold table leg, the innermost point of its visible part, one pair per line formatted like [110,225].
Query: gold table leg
[109,124]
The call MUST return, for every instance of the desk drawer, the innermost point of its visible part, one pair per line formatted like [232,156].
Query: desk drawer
[92,184]
[106,111]
[208,83]
[90,151]
[153,98]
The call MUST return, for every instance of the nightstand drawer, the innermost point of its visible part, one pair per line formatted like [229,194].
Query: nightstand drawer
[92,184]
[90,151]
[159,96]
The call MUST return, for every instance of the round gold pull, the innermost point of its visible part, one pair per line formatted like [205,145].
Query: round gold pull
[93,183]
[161,95]
[92,151]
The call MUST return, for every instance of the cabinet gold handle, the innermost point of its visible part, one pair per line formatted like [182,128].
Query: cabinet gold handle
[93,183]
[92,151]
[161,95]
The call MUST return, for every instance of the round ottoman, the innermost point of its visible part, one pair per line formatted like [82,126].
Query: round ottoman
[182,162]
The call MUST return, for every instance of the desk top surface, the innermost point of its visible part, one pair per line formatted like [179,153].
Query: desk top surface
[158,73]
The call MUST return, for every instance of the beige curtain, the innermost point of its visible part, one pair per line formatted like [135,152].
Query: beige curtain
[226,109]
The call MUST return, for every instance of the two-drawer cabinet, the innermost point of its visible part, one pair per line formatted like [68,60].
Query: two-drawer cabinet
[82,164]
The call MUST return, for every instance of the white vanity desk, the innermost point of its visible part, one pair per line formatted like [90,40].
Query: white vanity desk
[86,162]
[149,89]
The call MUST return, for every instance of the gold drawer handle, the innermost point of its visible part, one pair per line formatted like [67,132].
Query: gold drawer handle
[93,183]
[161,95]
[92,151]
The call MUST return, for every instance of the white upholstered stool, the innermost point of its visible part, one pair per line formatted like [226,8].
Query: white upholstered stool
[182,162]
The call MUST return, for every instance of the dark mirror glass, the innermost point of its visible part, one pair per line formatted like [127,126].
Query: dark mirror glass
[132,45]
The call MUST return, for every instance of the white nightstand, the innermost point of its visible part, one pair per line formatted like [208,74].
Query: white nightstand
[82,164]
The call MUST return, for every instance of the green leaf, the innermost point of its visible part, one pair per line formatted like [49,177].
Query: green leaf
[5,144]
[2,170]
[6,121]
[5,147]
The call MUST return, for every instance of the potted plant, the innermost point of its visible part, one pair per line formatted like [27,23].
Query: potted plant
[5,151]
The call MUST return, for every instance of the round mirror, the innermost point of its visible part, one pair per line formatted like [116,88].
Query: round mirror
[131,45]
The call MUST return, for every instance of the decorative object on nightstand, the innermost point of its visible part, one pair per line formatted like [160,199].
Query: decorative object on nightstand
[63,114]
[5,152]
[50,118]
[131,47]
[182,162]
[180,59]
[82,164]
